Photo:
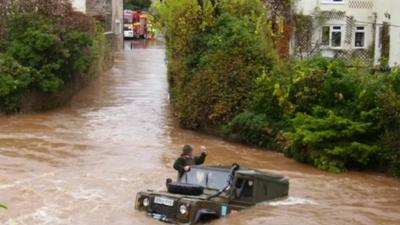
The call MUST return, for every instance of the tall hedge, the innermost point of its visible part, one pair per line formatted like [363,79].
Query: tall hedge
[216,50]
[43,46]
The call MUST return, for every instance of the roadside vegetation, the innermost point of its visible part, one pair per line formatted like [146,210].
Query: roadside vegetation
[44,45]
[137,4]
[225,75]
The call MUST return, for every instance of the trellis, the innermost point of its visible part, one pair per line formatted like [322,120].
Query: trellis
[362,57]
[286,25]
[361,4]
[303,35]
[349,30]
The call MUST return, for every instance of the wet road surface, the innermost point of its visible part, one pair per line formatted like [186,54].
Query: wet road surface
[83,164]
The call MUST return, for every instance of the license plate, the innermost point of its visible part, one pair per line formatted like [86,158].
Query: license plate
[164,201]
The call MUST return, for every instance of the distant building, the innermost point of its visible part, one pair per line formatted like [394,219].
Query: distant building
[109,12]
[360,27]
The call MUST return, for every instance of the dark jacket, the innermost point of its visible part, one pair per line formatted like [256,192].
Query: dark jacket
[183,161]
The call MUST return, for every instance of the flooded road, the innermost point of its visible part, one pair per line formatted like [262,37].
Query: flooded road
[83,164]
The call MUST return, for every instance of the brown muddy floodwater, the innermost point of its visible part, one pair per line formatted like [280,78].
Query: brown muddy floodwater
[83,164]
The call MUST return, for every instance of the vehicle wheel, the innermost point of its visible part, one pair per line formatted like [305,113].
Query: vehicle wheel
[185,189]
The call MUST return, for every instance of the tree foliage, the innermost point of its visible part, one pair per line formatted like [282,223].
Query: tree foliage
[137,4]
[45,45]
[329,115]
[223,72]
[329,141]
[215,52]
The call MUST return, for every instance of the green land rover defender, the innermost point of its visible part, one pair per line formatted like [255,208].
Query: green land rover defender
[210,192]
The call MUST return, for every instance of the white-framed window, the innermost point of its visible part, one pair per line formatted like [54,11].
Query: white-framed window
[359,37]
[332,36]
[332,1]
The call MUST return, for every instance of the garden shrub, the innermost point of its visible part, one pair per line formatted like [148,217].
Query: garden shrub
[330,115]
[137,4]
[182,21]
[389,103]
[329,141]
[43,47]
[223,76]
[60,53]
[267,98]
[14,78]
[335,123]
[251,128]
[214,58]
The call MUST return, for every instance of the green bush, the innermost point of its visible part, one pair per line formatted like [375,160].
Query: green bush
[332,116]
[253,129]
[182,20]
[137,4]
[223,72]
[329,141]
[42,53]
[389,118]
[214,56]
[54,52]
[334,113]
[14,78]
[265,96]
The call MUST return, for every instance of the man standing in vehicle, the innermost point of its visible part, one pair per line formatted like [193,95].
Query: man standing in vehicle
[183,163]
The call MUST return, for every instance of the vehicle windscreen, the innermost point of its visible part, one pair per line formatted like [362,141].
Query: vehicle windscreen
[208,178]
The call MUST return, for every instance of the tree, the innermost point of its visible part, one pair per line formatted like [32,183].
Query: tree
[137,4]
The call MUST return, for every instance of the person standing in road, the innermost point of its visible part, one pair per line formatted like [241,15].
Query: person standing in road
[183,163]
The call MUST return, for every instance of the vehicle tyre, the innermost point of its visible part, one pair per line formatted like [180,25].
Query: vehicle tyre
[185,189]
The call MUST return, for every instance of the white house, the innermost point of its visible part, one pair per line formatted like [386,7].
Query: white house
[110,12]
[355,26]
